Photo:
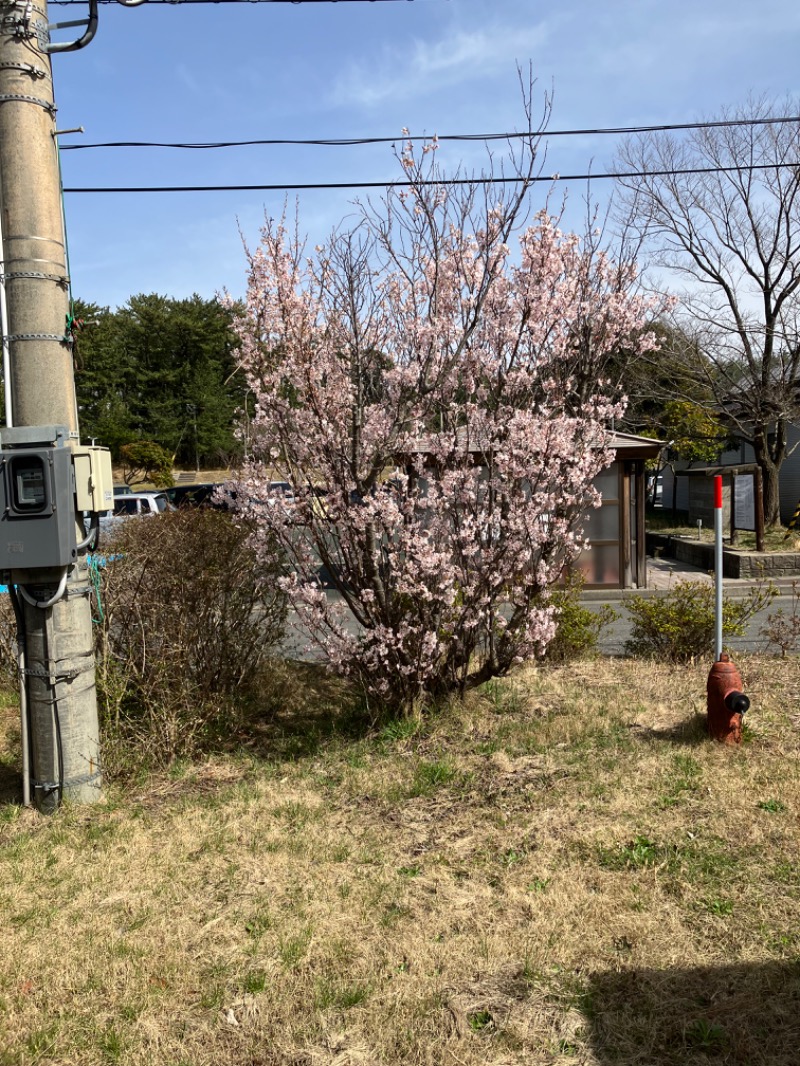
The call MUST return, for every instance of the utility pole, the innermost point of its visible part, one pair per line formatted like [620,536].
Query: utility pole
[60,732]
[192,409]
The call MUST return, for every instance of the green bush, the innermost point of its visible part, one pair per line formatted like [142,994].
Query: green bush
[579,628]
[187,616]
[782,628]
[679,626]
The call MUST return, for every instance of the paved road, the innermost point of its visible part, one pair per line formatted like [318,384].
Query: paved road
[662,574]
[614,636]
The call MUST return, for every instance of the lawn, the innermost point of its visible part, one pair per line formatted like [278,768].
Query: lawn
[564,870]
[775,540]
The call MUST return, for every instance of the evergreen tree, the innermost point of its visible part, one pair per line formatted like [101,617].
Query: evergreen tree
[162,370]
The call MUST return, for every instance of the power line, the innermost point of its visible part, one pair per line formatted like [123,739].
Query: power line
[353,141]
[311,186]
[177,3]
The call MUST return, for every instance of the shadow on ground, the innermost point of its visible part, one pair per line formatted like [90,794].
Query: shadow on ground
[691,732]
[10,758]
[738,1015]
[10,782]
[304,710]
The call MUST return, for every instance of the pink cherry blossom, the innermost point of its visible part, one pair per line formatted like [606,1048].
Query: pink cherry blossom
[435,401]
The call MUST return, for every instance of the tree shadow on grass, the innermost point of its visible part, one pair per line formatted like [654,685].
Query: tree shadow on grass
[10,758]
[10,781]
[738,1015]
[302,709]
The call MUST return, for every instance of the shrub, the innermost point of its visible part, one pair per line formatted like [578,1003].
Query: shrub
[147,461]
[577,628]
[679,627]
[186,619]
[782,628]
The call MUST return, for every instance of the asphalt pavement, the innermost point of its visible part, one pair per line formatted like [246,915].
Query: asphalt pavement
[662,574]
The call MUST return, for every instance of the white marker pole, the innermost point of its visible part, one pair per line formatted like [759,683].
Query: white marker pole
[718,567]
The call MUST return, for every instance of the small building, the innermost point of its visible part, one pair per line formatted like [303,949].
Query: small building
[616,555]
[789,477]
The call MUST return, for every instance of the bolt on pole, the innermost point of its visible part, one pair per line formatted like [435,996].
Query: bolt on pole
[58,680]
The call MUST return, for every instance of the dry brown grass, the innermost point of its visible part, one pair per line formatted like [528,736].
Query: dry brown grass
[563,871]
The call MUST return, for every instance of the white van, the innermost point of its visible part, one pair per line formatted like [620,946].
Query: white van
[135,504]
[141,503]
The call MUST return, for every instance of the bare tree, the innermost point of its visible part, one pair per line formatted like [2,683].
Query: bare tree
[720,206]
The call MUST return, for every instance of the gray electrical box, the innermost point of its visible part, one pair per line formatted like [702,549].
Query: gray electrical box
[94,479]
[37,509]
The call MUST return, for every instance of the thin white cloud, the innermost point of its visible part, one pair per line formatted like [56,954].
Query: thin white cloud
[186,77]
[399,74]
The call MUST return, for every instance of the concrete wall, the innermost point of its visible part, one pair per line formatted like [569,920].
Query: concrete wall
[735,564]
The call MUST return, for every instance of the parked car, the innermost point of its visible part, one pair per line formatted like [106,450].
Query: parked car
[135,505]
[141,503]
[192,495]
[280,492]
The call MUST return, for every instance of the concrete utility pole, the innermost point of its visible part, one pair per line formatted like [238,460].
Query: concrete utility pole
[59,703]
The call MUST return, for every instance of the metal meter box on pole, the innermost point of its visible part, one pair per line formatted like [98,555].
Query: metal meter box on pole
[37,510]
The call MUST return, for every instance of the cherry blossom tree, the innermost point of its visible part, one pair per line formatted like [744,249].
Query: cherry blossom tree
[433,398]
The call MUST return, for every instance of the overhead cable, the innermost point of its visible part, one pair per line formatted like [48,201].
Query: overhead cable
[177,3]
[310,186]
[507,136]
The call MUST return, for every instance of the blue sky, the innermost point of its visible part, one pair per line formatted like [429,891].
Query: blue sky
[205,72]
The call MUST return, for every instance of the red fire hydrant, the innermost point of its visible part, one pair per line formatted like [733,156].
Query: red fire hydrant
[726,702]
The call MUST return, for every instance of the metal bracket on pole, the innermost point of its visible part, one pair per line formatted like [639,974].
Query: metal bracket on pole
[10,26]
[84,593]
[62,338]
[6,98]
[26,68]
[54,786]
[33,237]
[35,275]
[29,9]
[46,786]
[54,676]
[22,29]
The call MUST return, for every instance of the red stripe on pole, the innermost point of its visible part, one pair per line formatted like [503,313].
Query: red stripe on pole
[718,491]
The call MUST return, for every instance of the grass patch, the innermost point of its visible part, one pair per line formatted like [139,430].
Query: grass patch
[775,540]
[431,775]
[562,869]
